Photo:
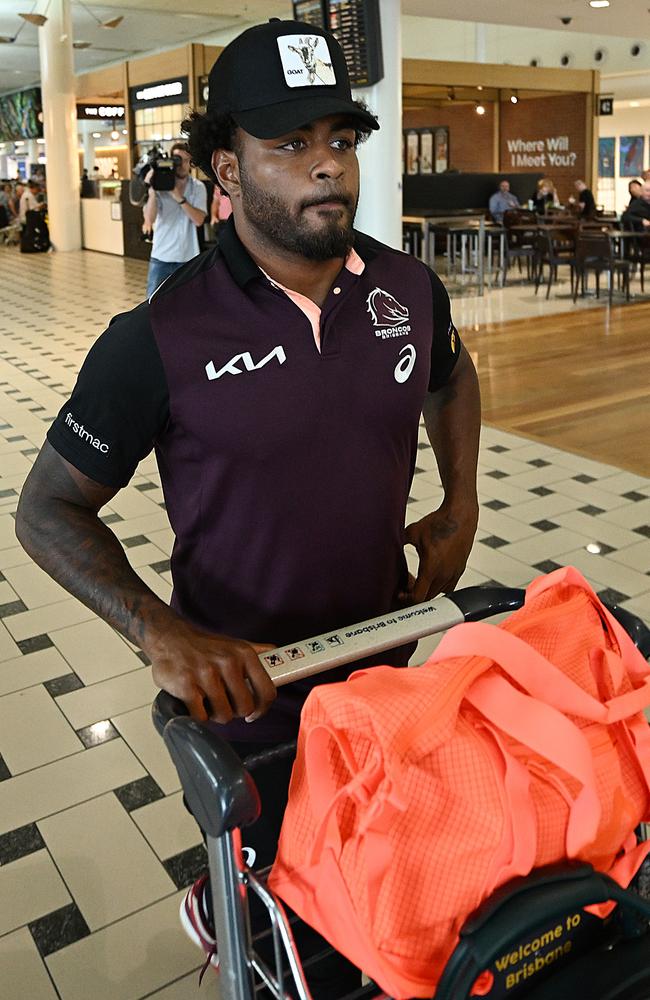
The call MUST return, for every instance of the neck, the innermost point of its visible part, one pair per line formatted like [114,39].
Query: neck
[312,278]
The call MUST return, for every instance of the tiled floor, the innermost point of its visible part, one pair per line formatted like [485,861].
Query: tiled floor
[95,845]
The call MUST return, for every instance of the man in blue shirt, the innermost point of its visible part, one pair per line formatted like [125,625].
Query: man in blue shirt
[502,200]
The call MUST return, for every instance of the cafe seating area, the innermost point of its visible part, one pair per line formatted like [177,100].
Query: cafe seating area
[472,251]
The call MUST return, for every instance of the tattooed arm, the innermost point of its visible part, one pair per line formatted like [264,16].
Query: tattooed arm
[443,539]
[57,522]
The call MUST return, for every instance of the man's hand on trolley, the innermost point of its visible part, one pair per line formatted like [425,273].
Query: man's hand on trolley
[443,541]
[217,677]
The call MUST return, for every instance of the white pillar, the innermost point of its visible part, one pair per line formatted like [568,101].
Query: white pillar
[89,146]
[380,204]
[60,126]
[33,150]
[480,43]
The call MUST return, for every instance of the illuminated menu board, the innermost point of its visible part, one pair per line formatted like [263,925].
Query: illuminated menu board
[355,25]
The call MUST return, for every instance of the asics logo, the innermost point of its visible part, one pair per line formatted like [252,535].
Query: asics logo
[231,367]
[404,367]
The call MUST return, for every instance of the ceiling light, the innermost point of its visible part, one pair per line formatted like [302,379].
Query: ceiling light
[480,86]
[125,131]
[41,142]
[513,98]
[19,142]
[97,135]
[594,548]
[599,3]
[115,135]
[635,104]
[38,19]
[113,22]
[480,110]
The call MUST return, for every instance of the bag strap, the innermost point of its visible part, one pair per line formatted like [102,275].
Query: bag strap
[634,661]
[536,674]
[555,738]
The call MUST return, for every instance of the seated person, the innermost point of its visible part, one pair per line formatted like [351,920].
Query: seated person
[634,189]
[637,214]
[545,196]
[502,201]
[586,203]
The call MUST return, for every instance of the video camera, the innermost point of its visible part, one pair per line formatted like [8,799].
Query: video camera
[163,166]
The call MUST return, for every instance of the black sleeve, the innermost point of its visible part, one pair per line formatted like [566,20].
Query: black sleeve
[445,344]
[119,405]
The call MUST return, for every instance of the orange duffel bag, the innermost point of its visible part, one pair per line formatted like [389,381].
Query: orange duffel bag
[415,793]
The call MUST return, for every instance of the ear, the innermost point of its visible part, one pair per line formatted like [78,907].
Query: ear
[226,167]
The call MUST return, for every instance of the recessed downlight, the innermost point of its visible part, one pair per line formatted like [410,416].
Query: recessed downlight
[599,3]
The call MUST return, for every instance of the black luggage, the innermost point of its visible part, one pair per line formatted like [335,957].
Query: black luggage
[35,237]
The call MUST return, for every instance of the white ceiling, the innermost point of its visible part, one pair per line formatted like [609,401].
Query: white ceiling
[150,25]
[626,18]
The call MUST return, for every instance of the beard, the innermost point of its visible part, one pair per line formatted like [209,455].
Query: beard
[275,221]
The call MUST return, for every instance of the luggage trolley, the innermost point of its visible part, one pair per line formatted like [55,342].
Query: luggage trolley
[609,960]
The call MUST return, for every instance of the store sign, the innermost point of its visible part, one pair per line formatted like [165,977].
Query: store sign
[552,151]
[94,112]
[160,92]
[605,106]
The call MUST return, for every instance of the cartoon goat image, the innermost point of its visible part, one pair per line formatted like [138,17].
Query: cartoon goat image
[316,68]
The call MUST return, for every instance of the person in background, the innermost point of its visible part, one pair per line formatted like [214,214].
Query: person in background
[634,189]
[502,201]
[545,196]
[585,203]
[14,200]
[88,187]
[645,176]
[29,201]
[174,216]
[5,211]
[637,214]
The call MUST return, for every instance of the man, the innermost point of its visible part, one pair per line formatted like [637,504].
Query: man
[502,201]
[281,378]
[637,214]
[586,201]
[174,216]
[28,201]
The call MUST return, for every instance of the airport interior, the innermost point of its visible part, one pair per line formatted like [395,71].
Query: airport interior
[513,159]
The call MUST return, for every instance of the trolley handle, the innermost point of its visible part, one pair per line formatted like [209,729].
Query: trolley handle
[518,909]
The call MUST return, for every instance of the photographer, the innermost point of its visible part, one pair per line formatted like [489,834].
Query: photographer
[176,215]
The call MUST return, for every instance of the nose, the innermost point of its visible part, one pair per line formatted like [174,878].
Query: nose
[326,165]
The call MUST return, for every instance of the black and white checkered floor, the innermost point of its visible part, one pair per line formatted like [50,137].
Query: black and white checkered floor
[95,845]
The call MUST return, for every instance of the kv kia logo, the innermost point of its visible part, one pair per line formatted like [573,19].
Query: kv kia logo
[230,368]
[404,367]
[388,316]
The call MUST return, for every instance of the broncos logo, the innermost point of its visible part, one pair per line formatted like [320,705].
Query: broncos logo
[385,310]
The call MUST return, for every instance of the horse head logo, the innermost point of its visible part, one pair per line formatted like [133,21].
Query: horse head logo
[385,310]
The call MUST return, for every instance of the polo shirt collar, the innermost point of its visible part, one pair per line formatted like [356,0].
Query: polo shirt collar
[244,269]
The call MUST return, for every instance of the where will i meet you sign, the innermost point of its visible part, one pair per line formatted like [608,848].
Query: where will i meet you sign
[551,151]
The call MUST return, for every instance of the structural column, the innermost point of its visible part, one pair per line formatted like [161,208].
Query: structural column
[380,205]
[60,126]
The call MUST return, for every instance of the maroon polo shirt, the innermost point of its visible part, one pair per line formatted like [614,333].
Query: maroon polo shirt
[285,469]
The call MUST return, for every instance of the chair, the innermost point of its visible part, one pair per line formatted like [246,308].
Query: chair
[519,242]
[637,252]
[594,252]
[554,248]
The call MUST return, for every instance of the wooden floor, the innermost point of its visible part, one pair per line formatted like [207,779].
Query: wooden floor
[578,381]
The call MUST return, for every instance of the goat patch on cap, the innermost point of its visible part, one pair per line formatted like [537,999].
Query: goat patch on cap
[306,61]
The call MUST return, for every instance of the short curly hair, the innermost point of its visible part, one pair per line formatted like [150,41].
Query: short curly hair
[206,132]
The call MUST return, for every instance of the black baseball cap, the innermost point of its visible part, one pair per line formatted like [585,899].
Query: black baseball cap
[277,76]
